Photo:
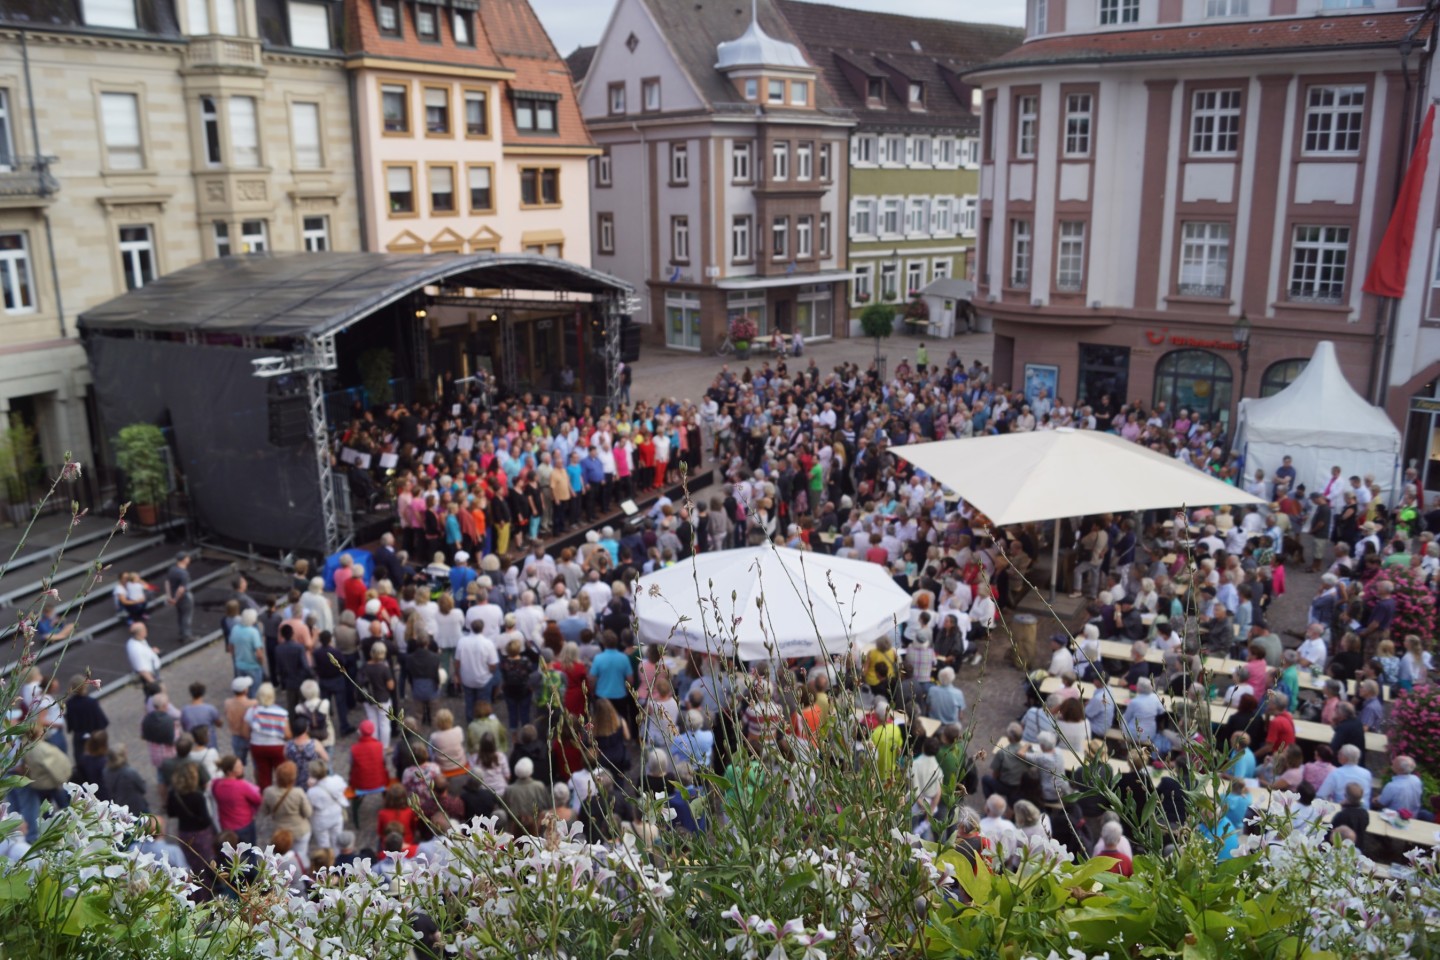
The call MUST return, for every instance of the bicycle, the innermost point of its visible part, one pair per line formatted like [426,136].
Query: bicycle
[726,347]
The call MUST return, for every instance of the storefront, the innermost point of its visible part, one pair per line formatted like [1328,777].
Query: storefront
[1422,435]
[697,318]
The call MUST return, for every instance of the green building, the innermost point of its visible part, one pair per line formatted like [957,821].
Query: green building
[914,170]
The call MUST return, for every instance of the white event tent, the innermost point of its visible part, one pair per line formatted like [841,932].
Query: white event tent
[813,604]
[1320,421]
[1052,474]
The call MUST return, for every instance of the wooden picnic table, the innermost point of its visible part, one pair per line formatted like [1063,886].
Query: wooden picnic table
[1120,650]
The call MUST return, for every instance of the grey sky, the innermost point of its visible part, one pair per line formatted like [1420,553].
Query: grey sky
[572,23]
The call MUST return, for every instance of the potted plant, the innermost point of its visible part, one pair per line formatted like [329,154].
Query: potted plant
[19,455]
[878,321]
[742,331]
[862,298]
[918,312]
[139,454]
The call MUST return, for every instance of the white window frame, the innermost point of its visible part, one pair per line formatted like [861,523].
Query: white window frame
[891,214]
[315,233]
[133,253]
[1022,254]
[1040,21]
[742,166]
[804,237]
[307,22]
[650,95]
[914,277]
[970,153]
[1027,125]
[922,152]
[244,116]
[864,150]
[967,220]
[212,142]
[617,98]
[1227,8]
[889,281]
[687,302]
[1079,119]
[917,217]
[779,238]
[742,238]
[775,91]
[892,150]
[1325,250]
[7,134]
[1215,122]
[604,170]
[680,163]
[863,283]
[1070,256]
[124,137]
[119,14]
[940,268]
[1334,114]
[17,276]
[1204,259]
[462,27]
[679,239]
[942,217]
[605,233]
[947,152]
[827,162]
[805,161]
[254,236]
[1118,12]
[863,218]
[826,240]
[780,162]
[309,150]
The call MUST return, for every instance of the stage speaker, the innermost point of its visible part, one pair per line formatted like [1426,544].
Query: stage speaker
[289,420]
[630,334]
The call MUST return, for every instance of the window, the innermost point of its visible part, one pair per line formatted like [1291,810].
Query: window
[987,128]
[875,88]
[535,114]
[309,25]
[210,130]
[862,287]
[827,162]
[1347,4]
[1103,369]
[945,152]
[940,269]
[679,239]
[683,319]
[917,95]
[922,151]
[1020,250]
[1334,116]
[917,217]
[15,274]
[1042,17]
[942,218]
[442,190]
[1070,257]
[650,95]
[1227,8]
[779,237]
[1197,380]
[1119,11]
[221,231]
[863,150]
[437,111]
[254,238]
[387,14]
[914,277]
[804,161]
[305,132]
[799,93]
[120,120]
[480,179]
[197,17]
[814,312]
[109,13]
[137,256]
[740,162]
[775,91]
[825,235]
[462,24]
[862,217]
[969,211]
[7,139]
[780,161]
[752,89]
[679,163]
[477,113]
[892,151]
[1077,124]
[1026,120]
[1318,262]
[395,108]
[400,184]
[539,186]
[227,19]
[605,232]
[892,209]
[604,170]
[804,237]
[617,98]
[244,133]
[1215,123]
[315,234]
[427,26]
[889,281]
[1280,375]
[970,152]
[741,234]
[1204,259]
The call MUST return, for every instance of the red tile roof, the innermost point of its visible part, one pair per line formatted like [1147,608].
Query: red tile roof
[525,47]
[363,37]
[1266,37]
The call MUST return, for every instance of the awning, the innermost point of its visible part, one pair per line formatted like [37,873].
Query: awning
[950,288]
[788,280]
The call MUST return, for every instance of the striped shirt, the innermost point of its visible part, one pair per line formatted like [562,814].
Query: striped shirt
[267,726]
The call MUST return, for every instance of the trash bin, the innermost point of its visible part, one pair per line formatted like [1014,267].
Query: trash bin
[1022,636]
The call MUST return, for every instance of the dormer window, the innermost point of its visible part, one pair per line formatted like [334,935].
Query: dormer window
[799,93]
[426,24]
[775,91]
[875,89]
[917,96]
[752,89]
[109,13]
[388,17]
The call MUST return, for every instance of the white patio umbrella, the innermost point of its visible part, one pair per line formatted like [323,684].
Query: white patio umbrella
[1052,474]
[783,600]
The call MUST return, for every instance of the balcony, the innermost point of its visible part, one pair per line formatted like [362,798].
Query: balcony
[24,178]
[223,54]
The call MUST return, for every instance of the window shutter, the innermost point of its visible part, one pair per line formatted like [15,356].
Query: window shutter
[909,150]
[854,149]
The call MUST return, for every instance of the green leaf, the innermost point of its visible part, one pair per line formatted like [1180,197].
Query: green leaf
[16,886]
[977,884]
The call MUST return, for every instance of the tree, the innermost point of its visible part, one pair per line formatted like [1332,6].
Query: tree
[878,321]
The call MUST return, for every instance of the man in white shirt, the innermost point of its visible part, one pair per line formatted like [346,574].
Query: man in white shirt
[476,660]
[1313,651]
[1361,491]
[143,656]
[486,614]
[559,606]
[1061,660]
[530,619]
[598,591]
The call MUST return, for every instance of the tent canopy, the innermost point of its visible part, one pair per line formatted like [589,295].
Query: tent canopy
[1050,474]
[694,603]
[313,294]
[1319,421]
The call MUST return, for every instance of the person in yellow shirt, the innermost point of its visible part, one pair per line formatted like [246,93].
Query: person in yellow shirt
[887,738]
[882,652]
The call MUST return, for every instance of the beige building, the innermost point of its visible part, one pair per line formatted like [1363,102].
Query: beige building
[142,137]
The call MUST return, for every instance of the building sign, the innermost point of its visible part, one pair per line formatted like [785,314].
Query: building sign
[1164,336]
[1423,405]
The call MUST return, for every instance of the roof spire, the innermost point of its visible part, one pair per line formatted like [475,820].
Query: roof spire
[755,11]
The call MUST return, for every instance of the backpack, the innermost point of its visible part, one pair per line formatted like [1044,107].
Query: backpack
[515,675]
[158,727]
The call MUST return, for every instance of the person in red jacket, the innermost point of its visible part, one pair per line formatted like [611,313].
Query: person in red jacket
[355,590]
[368,775]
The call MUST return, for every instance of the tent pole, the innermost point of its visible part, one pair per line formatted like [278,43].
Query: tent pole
[1054,559]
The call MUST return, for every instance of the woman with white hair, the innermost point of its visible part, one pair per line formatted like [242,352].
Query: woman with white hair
[315,605]
[269,730]
[946,701]
[316,709]
[1087,653]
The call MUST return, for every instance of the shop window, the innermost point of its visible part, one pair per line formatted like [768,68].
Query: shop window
[1104,370]
[1194,380]
[1280,375]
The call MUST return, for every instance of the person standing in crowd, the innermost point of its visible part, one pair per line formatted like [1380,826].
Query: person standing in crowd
[178,595]
[269,730]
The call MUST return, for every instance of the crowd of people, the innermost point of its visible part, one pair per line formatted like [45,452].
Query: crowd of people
[461,668]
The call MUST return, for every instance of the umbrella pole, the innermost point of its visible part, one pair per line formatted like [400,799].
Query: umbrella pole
[1054,559]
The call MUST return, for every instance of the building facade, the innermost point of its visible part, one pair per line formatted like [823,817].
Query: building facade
[469,136]
[1153,171]
[914,156]
[721,191]
[141,136]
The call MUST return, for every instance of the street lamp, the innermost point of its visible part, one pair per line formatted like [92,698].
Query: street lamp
[1241,333]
